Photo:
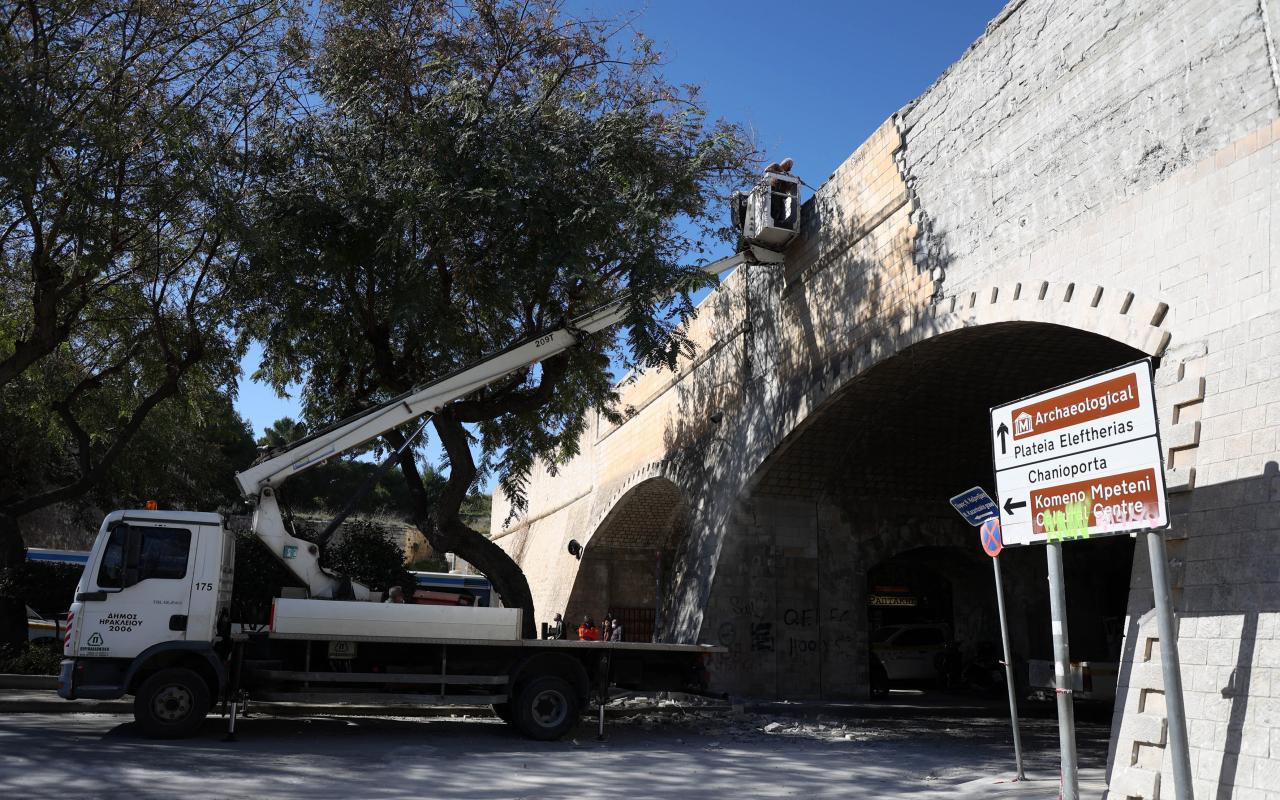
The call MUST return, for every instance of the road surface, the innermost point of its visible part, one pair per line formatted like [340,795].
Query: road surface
[676,754]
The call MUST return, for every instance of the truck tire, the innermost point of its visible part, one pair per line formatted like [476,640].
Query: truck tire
[171,704]
[546,708]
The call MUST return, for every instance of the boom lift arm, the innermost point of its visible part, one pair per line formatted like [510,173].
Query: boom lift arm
[260,482]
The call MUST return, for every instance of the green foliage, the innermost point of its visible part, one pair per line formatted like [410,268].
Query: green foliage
[367,552]
[185,457]
[124,127]
[259,576]
[47,587]
[328,487]
[435,563]
[34,658]
[476,511]
[472,176]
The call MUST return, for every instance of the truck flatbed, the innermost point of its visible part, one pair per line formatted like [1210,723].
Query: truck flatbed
[524,643]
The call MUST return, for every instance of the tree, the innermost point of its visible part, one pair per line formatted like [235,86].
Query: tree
[186,457]
[282,432]
[124,126]
[471,176]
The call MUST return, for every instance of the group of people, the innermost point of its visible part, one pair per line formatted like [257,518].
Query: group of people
[587,631]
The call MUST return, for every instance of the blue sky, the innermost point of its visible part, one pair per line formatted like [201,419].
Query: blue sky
[811,79]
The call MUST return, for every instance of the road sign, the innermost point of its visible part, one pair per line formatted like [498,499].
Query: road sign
[975,505]
[1080,460]
[990,534]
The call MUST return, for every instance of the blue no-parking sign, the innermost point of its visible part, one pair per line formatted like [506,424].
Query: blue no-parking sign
[990,533]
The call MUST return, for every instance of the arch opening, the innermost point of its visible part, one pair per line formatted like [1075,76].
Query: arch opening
[847,528]
[631,560]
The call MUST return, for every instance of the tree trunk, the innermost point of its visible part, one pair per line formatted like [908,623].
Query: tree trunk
[13,610]
[446,532]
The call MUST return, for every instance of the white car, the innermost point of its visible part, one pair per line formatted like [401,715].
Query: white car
[911,652]
[41,627]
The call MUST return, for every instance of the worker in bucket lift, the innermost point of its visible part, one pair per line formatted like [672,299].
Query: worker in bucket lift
[783,195]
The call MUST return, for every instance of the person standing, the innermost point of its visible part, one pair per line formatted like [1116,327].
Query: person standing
[615,628]
[395,595]
[606,627]
[556,629]
[587,631]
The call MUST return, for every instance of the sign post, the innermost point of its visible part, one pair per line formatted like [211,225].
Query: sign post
[992,544]
[1169,666]
[978,509]
[1079,461]
[1062,688]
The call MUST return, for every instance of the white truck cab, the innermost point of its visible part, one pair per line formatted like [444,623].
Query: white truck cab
[153,595]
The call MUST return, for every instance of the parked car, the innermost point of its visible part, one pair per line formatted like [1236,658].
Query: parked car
[43,630]
[915,652]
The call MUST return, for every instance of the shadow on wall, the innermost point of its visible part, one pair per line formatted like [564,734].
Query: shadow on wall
[732,412]
[1228,535]
[864,264]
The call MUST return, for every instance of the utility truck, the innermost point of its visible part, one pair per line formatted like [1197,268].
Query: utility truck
[152,615]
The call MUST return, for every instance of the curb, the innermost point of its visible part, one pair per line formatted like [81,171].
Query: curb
[8,681]
[57,705]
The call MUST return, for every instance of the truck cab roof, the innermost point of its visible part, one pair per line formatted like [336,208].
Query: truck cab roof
[187,517]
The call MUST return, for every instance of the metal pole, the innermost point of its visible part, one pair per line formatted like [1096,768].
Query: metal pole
[657,594]
[1008,668]
[1062,672]
[1169,665]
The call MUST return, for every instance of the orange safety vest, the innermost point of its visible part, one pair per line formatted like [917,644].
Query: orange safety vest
[591,634]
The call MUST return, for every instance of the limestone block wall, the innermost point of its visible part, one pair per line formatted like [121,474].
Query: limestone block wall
[1063,109]
[1176,199]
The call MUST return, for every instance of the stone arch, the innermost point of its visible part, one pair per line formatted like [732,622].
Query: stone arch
[646,480]
[876,446]
[632,553]
[1118,315]
[762,428]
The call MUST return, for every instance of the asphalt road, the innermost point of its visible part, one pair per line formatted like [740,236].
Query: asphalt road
[676,755]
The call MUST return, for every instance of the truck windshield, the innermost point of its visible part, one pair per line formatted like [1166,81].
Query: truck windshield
[162,553]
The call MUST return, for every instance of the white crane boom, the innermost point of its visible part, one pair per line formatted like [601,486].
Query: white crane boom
[418,402]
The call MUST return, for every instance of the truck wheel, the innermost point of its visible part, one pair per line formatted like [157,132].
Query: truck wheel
[503,712]
[171,704]
[546,708]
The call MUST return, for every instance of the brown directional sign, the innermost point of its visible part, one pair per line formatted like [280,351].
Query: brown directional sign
[1080,460]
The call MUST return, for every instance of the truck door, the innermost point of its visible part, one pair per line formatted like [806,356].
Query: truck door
[139,591]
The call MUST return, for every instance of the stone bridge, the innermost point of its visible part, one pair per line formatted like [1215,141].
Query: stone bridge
[1091,183]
